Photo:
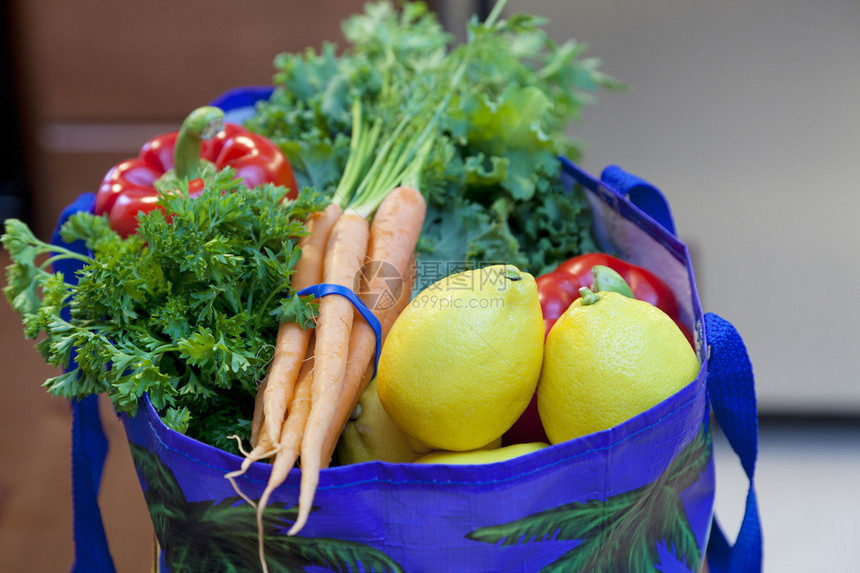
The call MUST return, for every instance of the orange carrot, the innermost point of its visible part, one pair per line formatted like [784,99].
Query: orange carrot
[257,420]
[292,341]
[270,405]
[361,350]
[262,449]
[289,443]
[291,346]
[393,238]
[344,257]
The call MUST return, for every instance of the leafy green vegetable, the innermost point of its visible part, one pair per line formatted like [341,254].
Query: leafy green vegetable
[492,174]
[186,310]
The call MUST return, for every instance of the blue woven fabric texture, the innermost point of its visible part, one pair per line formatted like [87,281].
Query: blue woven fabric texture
[641,193]
[89,444]
[731,391]
[89,450]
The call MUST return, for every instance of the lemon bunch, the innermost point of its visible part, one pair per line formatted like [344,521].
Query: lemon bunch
[462,362]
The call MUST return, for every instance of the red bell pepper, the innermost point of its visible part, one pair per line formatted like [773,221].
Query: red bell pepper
[203,143]
[558,289]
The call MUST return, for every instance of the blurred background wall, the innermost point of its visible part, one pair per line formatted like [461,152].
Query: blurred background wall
[746,115]
[94,80]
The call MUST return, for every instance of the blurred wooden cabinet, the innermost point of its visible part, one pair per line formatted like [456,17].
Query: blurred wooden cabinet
[99,78]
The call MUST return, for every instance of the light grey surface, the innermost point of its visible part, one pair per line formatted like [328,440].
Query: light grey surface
[808,494]
[746,115]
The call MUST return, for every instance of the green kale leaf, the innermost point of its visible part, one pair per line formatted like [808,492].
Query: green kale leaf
[492,175]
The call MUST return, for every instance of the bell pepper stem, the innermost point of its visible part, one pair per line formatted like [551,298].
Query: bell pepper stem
[202,123]
[607,279]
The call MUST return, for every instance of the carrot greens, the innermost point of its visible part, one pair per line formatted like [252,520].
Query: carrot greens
[476,127]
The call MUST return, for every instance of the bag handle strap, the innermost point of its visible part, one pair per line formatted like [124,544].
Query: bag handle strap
[89,450]
[89,444]
[731,392]
[641,193]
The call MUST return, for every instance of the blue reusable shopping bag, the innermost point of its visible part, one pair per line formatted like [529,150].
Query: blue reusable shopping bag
[636,497]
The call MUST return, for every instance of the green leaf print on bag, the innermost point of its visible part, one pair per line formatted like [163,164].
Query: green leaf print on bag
[222,536]
[627,531]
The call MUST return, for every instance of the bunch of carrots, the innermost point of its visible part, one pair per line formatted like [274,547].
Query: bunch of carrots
[317,376]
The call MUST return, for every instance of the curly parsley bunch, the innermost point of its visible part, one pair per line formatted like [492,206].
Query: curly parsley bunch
[186,310]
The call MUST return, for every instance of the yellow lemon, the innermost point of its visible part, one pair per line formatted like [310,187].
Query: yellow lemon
[486,456]
[462,361]
[371,435]
[607,359]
